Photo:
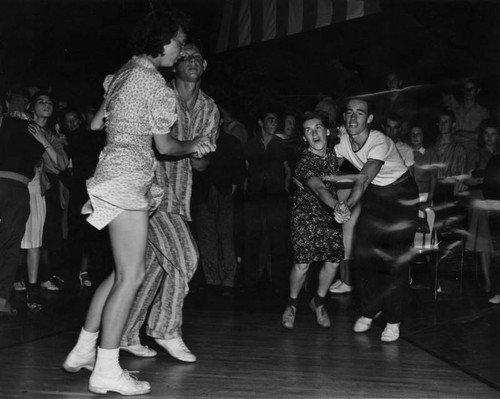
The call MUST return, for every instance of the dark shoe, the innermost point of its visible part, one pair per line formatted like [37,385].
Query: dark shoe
[322,317]
[33,301]
[288,318]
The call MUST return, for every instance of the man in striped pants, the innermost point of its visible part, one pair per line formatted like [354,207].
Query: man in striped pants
[172,255]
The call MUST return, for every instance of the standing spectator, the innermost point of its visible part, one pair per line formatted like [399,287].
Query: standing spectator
[479,237]
[171,254]
[396,102]
[214,217]
[83,150]
[42,110]
[232,126]
[22,145]
[469,114]
[266,206]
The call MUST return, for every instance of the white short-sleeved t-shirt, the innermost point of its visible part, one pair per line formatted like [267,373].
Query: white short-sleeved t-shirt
[378,147]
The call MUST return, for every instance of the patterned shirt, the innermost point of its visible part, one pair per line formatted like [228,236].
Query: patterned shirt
[175,173]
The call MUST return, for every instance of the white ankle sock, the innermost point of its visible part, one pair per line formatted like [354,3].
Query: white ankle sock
[87,340]
[107,362]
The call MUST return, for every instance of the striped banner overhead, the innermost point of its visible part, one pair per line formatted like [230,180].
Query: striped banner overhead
[243,22]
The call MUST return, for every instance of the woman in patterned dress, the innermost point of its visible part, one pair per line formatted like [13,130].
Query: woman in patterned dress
[316,235]
[138,108]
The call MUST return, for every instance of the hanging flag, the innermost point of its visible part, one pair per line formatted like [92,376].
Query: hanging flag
[243,22]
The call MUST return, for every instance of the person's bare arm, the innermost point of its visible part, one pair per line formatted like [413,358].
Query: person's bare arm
[97,122]
[168,145]
[365,177]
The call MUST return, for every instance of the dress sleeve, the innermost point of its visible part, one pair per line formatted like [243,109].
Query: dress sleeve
[305,169]
[162,113]
[107,83]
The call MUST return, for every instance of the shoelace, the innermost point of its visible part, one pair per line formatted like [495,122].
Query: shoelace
[182,345]
[291,311]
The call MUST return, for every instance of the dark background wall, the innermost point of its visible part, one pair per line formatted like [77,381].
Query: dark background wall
[71,45]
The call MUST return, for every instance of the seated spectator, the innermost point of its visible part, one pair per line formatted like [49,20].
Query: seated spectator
[392,127]
[451,158]
[425,165]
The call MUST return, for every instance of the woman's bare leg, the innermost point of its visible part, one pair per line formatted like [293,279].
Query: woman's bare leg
[33,263]
[297,278]
[113,299]
[326,275]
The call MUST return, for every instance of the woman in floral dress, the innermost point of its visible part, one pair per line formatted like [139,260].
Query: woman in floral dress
[316,235]
[138,108]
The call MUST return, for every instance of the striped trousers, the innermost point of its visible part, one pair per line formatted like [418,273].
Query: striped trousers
[171,260]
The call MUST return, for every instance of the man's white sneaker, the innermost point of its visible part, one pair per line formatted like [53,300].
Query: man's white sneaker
[362,324]
[390,333]
[177,349]
[125,384]
[343,288]
[494,299]
[139,350]
[77,360]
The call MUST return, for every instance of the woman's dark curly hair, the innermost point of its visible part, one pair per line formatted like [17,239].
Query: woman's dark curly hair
[156,30]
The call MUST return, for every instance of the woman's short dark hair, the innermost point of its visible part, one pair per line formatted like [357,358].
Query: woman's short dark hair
[37,95]
[487,123]
[308,115]
[156,30]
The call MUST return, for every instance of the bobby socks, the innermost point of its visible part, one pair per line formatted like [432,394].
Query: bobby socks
[87,341]
[107,363]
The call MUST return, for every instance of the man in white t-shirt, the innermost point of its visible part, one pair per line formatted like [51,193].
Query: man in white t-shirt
[386,226]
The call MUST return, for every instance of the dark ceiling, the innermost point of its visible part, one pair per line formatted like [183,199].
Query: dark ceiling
[71,45]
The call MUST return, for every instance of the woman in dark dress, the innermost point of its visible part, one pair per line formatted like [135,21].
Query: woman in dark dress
[316,235]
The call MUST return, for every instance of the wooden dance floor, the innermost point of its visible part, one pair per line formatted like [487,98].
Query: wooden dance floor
[450,348]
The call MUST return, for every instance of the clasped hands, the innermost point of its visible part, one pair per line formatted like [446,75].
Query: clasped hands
[342,212]
[202,146]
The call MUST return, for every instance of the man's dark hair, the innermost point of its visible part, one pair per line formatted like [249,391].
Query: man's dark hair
[450,113]
[40,93]
[369,105]
[195,42]
[393,116]
[156,30]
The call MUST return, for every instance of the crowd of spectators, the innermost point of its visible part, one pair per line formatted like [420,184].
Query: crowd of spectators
[241,204]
